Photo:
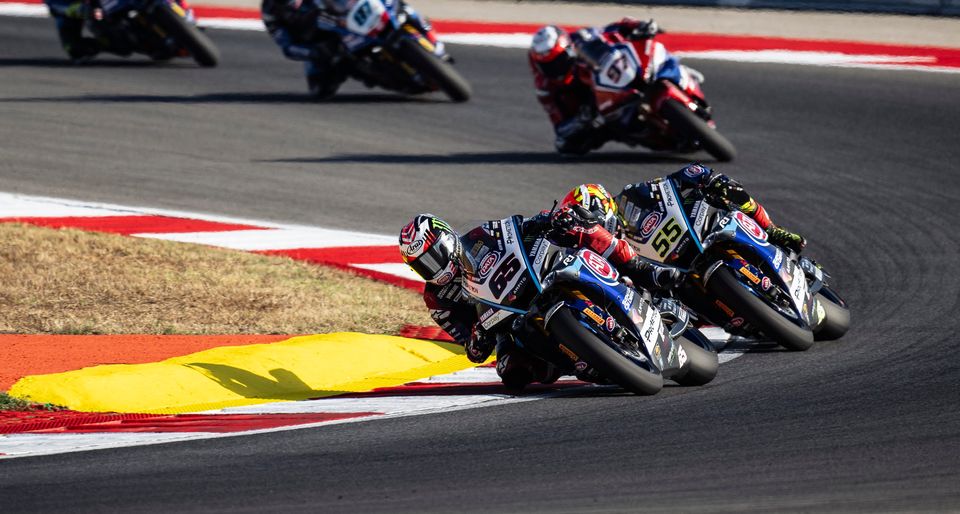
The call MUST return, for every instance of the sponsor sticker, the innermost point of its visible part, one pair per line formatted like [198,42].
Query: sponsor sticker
[611,324]
[751,228]
[736,322]
[599,266]
[444,279]
[694,170]
[594,316]
[724,307]
[569,353]
[778,259]
[766,284]
[487,264]
[627,301]
[415,247]
[650,223]
[749,274]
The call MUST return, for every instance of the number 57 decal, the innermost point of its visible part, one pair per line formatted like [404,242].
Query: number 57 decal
[665,238]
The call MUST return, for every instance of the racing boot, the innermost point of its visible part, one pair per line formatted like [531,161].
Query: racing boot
[786,239]
[649,276]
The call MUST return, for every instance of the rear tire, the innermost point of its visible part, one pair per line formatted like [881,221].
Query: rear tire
[197,43]
[610,363]
[435,70]
[753,310]
[836,319]
[703,364]
[686,122]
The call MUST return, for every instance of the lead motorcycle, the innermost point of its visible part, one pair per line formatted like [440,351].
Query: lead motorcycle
[384,48]
[643,102]
[570,308]
[735,277]
[161,29]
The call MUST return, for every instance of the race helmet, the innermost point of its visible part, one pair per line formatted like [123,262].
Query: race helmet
[596,199]
[431,248]
[552,53]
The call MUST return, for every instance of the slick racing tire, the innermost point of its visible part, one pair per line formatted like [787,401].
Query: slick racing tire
[183,32]
[435,70]
[836,316]
[611,364]
[702,364]
[688,124]
[756,312]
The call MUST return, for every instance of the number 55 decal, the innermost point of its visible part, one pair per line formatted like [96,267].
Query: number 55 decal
[666,237]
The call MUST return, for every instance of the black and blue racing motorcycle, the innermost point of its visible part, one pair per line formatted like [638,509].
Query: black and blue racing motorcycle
[571,308]
[736,278]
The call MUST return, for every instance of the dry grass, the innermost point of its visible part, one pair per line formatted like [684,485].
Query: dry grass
[74,282]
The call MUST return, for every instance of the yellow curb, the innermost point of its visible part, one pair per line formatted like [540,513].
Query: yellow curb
[295,369]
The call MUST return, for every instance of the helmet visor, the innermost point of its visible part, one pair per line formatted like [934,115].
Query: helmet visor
[558,67]
[431,263]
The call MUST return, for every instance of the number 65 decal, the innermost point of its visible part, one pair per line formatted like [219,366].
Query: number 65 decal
[666,237]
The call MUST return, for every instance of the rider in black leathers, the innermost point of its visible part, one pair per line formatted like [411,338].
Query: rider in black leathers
[293,26]
[434,251]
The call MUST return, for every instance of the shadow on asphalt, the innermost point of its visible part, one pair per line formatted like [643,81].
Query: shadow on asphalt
[63,62]
[231,98]
[487,158]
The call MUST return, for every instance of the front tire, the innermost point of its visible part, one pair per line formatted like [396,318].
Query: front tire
[702,364]
[687,123]
[435,70]
[197,43]
[725,286]
[836,317]
[610,363]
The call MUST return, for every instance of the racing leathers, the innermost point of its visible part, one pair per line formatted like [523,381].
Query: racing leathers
[293,25]
[569,101]
[70,16]
[575,227]
[718,190]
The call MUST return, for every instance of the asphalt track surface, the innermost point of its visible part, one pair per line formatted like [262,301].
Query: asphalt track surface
[863,162]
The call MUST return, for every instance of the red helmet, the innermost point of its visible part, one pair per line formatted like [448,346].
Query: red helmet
[552,52]
[431,248]
[596,199]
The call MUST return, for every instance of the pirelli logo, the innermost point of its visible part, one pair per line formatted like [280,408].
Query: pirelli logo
[593,315]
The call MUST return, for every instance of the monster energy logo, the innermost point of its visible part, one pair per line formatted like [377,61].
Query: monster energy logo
[440,224]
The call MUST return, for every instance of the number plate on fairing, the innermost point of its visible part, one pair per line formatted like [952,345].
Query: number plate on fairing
[496,275]
[365,16]
[662,230]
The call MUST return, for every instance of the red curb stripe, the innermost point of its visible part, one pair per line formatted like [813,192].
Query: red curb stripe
[433,333]
[14,422]
[343,258]
[127,225]
[455,389]
[212,423]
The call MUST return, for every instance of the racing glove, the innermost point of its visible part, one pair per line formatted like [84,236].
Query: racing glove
[480,345]
[571,223]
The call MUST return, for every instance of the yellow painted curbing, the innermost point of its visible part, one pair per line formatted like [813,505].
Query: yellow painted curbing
[295,369]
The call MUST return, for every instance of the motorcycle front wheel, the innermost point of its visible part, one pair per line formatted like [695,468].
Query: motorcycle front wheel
[688,124]
[836,316]
[435,70]
[756,312]
[197,43]
[610,363]
[702,364]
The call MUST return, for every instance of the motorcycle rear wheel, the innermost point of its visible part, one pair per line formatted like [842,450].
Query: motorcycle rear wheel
[197,43]
[610,363]
[686,122]
[753,310]
[435,70]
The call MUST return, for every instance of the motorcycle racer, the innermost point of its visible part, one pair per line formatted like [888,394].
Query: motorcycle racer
[635,201]
[434,251]
[295,25]
[70,16]
[558,60]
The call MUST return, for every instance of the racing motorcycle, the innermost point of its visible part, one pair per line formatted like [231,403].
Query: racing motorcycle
[736,278]
[644,97]
[161,29]
[384,48]
[570,308]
